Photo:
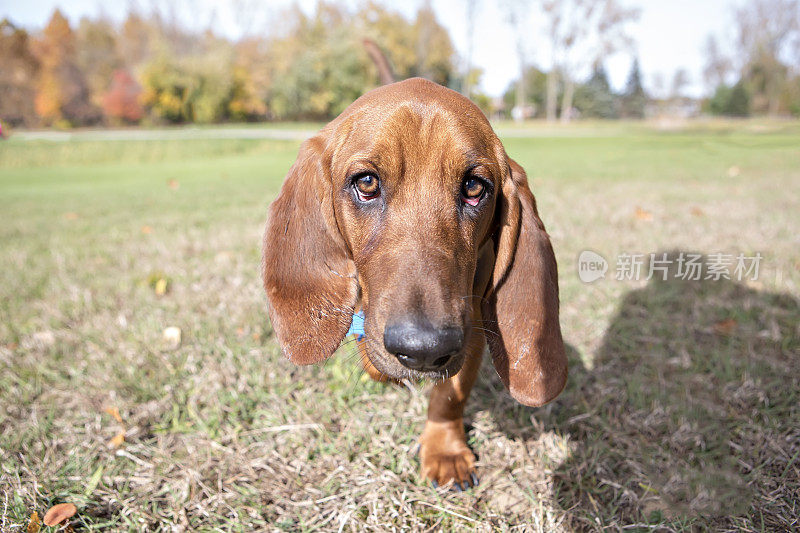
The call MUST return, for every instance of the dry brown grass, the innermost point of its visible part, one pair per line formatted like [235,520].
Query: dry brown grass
[669,422]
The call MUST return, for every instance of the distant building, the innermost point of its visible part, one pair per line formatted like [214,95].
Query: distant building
[523,112]
[681,107]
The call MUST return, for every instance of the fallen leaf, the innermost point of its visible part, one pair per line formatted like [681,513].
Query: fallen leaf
[696,211]
[161,287]
[114,412]
[725,327]
[58,513]
[643,214]
[159,281]
[173,184]
[733,171]
[172,336]
[71,216]
[147,230]
[117,440]
[35,523]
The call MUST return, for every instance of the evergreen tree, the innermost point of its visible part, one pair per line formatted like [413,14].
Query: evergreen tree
[739,101]
[634,99]
[595,98]
[730,101]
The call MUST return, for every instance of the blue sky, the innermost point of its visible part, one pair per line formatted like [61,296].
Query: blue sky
[669,35]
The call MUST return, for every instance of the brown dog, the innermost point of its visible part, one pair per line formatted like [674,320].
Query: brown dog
[407,206]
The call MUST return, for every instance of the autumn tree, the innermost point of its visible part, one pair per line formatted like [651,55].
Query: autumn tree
[309,66]
[121,102]
[18,74]
[389,30]
[245,102]
[251,79]
[195,89]
[135,42]
[212,74]
[61,90]
[189,76]
[167,89]
[97,55]
[318,66]
[419,48]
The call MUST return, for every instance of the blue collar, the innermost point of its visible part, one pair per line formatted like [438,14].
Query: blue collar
[357,326]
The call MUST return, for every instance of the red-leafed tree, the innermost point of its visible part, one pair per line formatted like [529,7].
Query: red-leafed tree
[121,102]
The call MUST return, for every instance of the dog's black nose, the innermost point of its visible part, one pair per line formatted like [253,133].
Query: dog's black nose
[419,345]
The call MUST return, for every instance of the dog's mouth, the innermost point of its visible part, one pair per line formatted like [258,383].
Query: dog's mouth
[395,367]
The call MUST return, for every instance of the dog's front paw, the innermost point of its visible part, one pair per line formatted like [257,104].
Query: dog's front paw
[445,456]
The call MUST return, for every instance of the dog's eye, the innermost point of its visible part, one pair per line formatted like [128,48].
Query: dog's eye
[367,187]
[472,190]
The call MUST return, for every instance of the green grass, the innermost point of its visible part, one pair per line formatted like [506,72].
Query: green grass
[668,420]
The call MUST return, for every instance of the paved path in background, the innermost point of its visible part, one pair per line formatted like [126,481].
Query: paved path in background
[289,134]
[164,134]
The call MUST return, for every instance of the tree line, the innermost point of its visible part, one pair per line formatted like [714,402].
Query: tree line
[761,74]
[148,69]
[756,72]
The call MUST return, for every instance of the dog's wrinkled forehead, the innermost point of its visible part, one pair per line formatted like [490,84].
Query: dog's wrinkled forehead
[414,130]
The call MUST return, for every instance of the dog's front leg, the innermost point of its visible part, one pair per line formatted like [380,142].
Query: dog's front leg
[444,453]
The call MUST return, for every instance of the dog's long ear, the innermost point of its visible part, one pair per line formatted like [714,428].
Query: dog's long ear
[521,305]
[310,281]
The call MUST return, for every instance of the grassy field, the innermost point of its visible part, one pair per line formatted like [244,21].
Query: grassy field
[681,412]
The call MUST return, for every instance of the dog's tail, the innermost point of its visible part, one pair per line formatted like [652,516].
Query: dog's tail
[379,58]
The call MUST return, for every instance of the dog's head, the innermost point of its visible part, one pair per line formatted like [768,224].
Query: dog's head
[408,203]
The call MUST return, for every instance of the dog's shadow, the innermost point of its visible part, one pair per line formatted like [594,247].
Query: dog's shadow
[689,411]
